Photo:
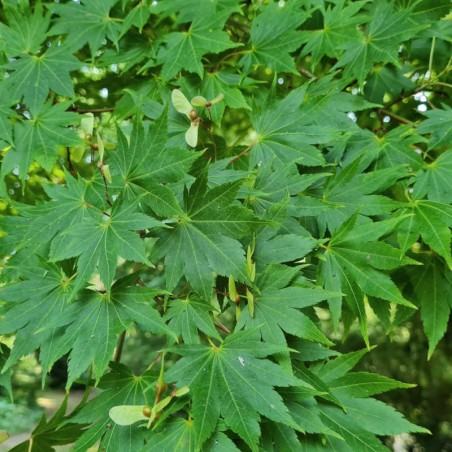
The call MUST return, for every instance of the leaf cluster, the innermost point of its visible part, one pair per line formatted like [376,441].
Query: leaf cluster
[315,201]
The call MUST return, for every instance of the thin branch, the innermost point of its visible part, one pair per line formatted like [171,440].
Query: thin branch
[396,117]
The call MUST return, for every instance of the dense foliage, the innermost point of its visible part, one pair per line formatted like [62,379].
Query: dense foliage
[245,180]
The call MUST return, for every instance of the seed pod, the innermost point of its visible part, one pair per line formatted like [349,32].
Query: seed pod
[147,410]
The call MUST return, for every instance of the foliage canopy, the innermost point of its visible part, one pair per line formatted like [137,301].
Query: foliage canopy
[228,177]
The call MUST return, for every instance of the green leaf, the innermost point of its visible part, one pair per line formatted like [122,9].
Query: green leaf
[431,221]
[286,134]
[51,433]
[86,23]
[26,30]
[282,248]
[355,437]
[146,166]
[387,29]
[188,316]
[205,9]
[205,238]
[178,436]
[431,283]
[119,387]
[363,384]
[5,376]
[276,312]
[273,49]
[376,417]
[105,239]
[38,138]
[339,366]
[339,25]
[184,50]
[435,179]
[243,382]
[438,125]
[34,75]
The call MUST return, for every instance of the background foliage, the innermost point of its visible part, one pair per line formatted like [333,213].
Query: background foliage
[314,209]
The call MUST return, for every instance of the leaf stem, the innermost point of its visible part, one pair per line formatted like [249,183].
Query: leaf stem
[107,197]
[120,347]
[241,154]
[430,60]
[221,327]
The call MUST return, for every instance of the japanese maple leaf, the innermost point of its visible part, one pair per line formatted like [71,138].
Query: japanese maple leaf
[184,50]
[37,139]
[274,36]
[104,239]
[146,166]
[204,239]
[86,22]
[33,76]
[232,381]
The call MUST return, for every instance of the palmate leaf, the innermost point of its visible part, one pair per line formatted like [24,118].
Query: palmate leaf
[26,30]
[438,125]
[31,233]
[387,29]
[204,239]
[178,436]
[105,238]
[339,25]
[86,22]
[435,179]
[432,222]
[285,134]
[273,37]
[146,167]
[93,333]
[349,191]
[35,303]
[38,138]
[33,76]
[234,374]
[277,312]
[431,284]
[205,9]
[120,386]
[91,324]
[393,149]
[352,265]
[188,316]
[52,432]
[184,50]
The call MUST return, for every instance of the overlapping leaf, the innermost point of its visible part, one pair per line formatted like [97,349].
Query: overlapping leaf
[235,374]
[274,36]
[204,239]
[86,23]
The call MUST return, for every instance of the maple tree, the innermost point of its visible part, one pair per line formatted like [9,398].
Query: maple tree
[227,177]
